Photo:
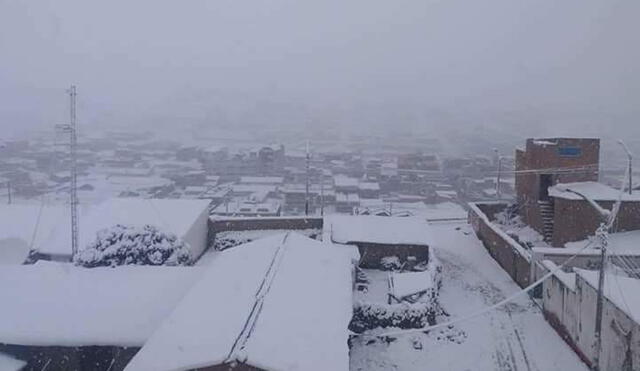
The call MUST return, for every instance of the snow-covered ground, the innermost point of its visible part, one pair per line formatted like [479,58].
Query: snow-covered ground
[519,230]
[514,337]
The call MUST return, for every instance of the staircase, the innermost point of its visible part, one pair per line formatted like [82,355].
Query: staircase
[547,214]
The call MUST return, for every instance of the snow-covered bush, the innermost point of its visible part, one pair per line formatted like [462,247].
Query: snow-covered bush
[368,316]
[128,245]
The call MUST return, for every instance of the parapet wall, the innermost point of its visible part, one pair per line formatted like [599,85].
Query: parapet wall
[511,256]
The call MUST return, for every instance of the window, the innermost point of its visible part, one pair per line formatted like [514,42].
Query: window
[569,151]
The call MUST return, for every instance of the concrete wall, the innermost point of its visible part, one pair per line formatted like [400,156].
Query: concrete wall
[98,358]
[228,367]
[250,224]
[198,235]
[512,257]
[372,253]
[570,309]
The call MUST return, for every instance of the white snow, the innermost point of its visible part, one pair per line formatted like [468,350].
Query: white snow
[183,217]
[13,251]
[620,290]
[64,305]
[33,226]
[376,229]
[8,363]
[514,337]
[593,190]
[303,320]
[620,243]
[409,283]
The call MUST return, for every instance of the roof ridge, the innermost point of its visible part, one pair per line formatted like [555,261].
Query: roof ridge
[236,353]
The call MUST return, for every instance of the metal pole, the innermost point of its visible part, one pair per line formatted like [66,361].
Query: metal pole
[321,194]
[630,175]
[9,192]
[499,171]
[74,172]
[306,194]
[602,236]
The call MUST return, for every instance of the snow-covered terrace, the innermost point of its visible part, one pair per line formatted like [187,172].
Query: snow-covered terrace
[280,303]
[187,219]
[377,229]
[592,190]
[51,304]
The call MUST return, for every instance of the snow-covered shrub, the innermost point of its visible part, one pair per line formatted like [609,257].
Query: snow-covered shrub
[390,263]
[368,316]
[128,245]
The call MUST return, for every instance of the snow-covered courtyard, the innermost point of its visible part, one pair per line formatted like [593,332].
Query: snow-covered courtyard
[513,337]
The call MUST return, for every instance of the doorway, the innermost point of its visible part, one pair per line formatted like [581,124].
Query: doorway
[546,181]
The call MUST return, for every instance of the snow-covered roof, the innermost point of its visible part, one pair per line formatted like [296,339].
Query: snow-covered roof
[377,229]
[618,289]
[279,303]
[63,305]
[369,186]
[33,226]
[593,190]
[172,215]
[627,243]
[8,363]
[252,188]
[347,197]
[344,181]
[261,179]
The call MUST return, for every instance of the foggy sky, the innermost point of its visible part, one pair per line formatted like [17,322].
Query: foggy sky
[502,63]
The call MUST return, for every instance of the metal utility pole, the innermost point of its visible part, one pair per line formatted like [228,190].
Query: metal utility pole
[601,234]
[630,159]
[321,194]
[306,194]
[71,128]
[499,173]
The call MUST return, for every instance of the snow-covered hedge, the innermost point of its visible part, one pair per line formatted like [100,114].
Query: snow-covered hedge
[368,316]
[128,245]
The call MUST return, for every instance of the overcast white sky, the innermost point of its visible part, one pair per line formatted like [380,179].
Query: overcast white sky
[356,61]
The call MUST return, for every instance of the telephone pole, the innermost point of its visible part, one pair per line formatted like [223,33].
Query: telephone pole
[601,234]
[306,194]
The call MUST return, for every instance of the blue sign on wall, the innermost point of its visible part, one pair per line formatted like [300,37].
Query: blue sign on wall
[569,151]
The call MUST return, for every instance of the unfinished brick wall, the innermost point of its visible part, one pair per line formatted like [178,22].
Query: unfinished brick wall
[576,220]
[542,156]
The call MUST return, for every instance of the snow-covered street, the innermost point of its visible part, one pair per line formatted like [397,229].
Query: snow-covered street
[514,337]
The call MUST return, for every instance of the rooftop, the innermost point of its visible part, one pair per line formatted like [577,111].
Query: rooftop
[62,305]
[265,315]
[377,229]
[593,190]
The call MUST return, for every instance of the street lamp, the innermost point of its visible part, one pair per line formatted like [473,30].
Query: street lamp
[630,158]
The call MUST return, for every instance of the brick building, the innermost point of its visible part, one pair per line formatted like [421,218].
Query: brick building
[552,176]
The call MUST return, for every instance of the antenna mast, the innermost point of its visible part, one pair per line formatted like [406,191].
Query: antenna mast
[74,171]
